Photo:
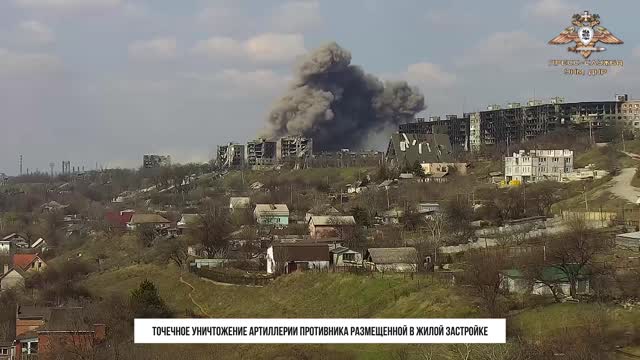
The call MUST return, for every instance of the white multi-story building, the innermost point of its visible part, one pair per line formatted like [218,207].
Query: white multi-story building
[538,165]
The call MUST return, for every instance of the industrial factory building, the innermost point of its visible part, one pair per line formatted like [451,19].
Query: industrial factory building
[520,122]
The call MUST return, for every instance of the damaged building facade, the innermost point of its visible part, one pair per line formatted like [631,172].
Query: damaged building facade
[153,161]
[432,151]
[518,122]
[231,156]
[265,153]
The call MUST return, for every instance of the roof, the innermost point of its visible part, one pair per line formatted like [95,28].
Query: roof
[393,213]
[409,148]
[118,218]
[300,252]
[549,273]
[341,250]
[148,219]
[54,204]
[332,220]
[189,219]
[26,312]
[405,255]
[38,242]
[16,270]
[272,210]
[386,183]
[24,260]
[66,319]
[11,236]
[631,235]
[324,209]
[239,202]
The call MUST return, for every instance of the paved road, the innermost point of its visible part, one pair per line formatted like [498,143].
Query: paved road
[621,185]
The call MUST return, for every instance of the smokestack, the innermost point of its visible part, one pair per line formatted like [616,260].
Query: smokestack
[337,104]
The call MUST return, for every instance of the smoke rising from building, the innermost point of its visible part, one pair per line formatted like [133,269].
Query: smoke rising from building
[338,104]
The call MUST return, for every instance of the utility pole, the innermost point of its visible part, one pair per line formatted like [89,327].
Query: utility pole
[20,164]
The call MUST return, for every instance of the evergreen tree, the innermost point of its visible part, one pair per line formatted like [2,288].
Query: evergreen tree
[145,302]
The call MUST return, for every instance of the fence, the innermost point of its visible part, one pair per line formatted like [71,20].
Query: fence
[233,277]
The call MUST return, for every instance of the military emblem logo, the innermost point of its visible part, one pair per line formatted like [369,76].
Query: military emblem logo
[585,33]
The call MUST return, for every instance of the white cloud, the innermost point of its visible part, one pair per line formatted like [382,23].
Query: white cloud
[155,49]
[219,46]
[17,64]
[296,16]
[551,9]
[267,48]
[429,74]
[273,47]
[37,32]
[68,5]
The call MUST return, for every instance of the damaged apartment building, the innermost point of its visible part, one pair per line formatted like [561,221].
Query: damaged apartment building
[432,151]
[231,156]
[518,122]
[261,153]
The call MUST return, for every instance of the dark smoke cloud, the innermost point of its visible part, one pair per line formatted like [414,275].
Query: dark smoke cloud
[339,105]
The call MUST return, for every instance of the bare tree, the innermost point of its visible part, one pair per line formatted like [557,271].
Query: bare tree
[573,252]
[483,273]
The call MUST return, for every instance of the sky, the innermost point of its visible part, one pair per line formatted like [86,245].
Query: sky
[106,81]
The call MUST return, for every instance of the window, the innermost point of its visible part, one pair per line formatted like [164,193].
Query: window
[4,351]
[349,257]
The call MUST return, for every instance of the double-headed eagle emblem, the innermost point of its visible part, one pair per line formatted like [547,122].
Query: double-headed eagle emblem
[586,34]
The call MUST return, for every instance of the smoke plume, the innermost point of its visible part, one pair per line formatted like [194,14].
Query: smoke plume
[338,104]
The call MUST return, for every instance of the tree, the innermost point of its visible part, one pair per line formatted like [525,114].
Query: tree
[145,233]
[361,216]
[145,302]
[174,250]
[436,227]
[214,230]
[573,252]
[417,169]
[483,274]
[411,218]
[458,215]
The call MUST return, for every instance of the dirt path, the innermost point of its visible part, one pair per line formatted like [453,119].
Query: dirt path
[621,186]
[202,310]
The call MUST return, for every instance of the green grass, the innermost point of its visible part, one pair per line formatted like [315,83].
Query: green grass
[548,320]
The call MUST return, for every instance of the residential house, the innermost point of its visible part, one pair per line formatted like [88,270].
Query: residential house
[236,203]
[321,210]
[442,167]
[53,206]
[155,220]
[17,240]
[385,184]
[330,226]
[436,177]
[404,259]
[187,221]
[119,220]
[29,262]
[11,278]
[7,351]
[6,247]
[538,165]
[285,258]
[515,281]
[342,256]
[405,150]
[55,333]
[629,241]
[392,217]
[272,214]
[40,244]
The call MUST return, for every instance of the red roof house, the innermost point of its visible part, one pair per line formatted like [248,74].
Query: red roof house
[28,262]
